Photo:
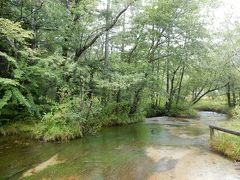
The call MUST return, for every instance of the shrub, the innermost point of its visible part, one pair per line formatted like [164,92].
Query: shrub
[235,112]
[69,120]
[182,110]
[154,110]
[118,113]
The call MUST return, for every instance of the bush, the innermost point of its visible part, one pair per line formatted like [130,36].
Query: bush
[73,118]
[155,110]
[58,127]
[182,110]
[118,114]
[235,113]
[70,120]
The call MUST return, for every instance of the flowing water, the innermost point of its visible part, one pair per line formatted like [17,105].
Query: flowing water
[159,148]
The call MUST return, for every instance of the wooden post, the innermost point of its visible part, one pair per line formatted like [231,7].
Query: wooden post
[211,133]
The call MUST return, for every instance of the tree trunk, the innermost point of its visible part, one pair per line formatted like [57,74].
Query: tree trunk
[90,85]
[107,18]
[118,99]
[234,98]
[136,100]
[123,39]
[65,45]
[180,85]
[167,85]
[34,29]
[233,95]
[228,95]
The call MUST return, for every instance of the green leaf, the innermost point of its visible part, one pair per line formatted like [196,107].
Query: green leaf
[13,30]
[8,58]
[8,82]
[21,99]
[7,96]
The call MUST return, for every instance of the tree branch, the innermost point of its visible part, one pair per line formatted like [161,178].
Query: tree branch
[208,91]
[21,17]
[81,50]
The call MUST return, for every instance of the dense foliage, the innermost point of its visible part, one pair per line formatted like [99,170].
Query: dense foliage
[75,66]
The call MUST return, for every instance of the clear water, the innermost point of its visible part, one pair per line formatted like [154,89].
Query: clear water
[113,153]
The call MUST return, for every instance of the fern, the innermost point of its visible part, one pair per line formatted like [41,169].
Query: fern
[7,96]
[14,30]
[8,58]
[21,99]
[18,69]
[8,82]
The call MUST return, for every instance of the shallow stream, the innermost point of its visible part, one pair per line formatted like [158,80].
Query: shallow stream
[159,148]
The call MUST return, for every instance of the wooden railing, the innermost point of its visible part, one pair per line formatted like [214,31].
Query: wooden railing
[212,128]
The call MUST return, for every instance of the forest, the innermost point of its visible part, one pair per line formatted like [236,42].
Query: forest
[70,68]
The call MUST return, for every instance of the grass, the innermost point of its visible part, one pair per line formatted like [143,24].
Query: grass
[69,121]
[184,110]
[183,113]
[216,105]
[17,127]
[228,144]
[66,122]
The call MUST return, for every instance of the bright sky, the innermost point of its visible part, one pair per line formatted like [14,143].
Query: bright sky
[227,10]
